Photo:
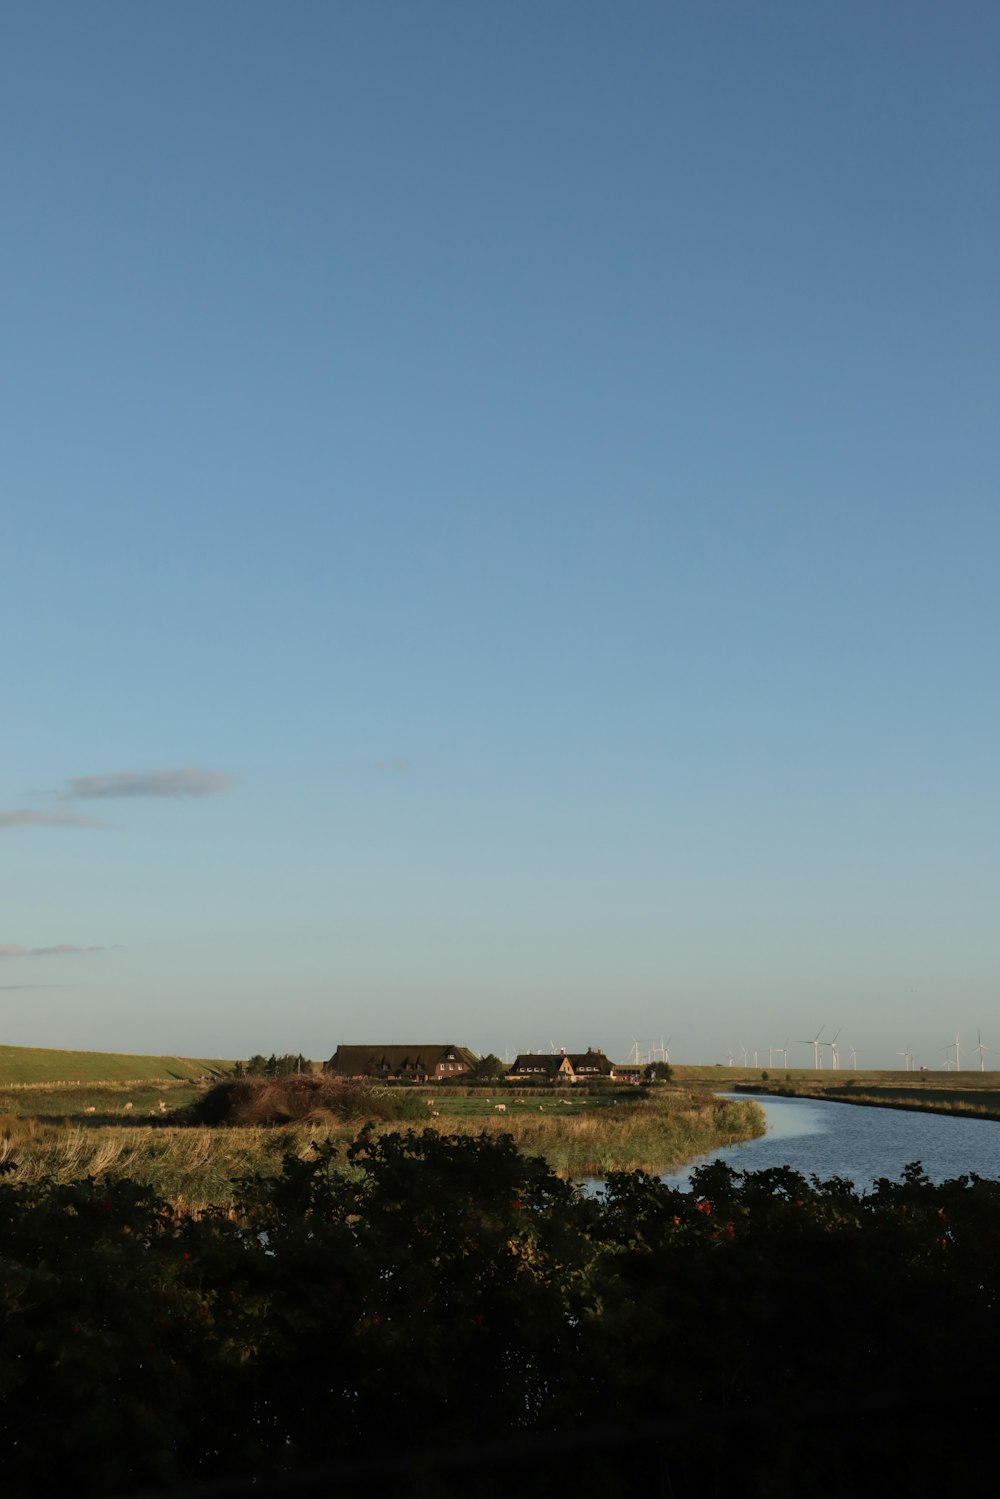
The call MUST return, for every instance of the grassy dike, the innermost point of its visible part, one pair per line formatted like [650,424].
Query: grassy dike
[973,1095]
[53,1133]
[30,1065]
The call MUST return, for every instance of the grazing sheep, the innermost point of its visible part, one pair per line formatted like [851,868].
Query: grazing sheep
[90,1110]
[435,1113]
[501,1108]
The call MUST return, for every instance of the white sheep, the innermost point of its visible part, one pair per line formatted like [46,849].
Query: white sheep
[501,1108]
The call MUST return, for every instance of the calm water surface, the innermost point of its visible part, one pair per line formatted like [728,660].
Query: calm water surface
[835,1139]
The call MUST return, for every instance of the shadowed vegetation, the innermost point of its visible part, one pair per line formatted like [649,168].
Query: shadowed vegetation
[430,1310]
[319,1097]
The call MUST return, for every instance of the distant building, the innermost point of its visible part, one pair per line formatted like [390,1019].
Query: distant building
[398,1064]
[560,1066]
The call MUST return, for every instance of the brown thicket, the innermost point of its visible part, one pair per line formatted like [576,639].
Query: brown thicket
[287,1100]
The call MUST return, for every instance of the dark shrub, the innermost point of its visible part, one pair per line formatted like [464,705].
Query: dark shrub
[285,1100]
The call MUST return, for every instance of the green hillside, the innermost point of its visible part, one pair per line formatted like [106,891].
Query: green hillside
[40,1064]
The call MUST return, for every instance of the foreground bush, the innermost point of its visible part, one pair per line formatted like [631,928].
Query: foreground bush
[449,1315]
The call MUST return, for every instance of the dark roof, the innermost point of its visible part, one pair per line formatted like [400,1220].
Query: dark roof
[589,1061]
[375,1061]
[549,1062]
[538,1061]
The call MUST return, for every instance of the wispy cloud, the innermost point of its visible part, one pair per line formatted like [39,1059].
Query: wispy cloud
[10,988]
[61,949]
[186,781]
[30,819]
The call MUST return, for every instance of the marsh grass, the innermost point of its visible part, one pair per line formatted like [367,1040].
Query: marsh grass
[117,1099]
[197,1165]
[193,1167]
[654,1134]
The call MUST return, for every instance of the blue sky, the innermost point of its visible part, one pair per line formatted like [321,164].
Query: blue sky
[499,525]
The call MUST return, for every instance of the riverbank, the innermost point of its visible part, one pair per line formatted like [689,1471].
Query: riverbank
[657,1133]
[576,1134]
[975,1099]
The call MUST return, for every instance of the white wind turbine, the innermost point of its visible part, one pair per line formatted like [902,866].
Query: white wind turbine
[907,1056]
[854,1059]
[834,1053]
[958,1053]
[981,1049]
[814,1043]
[784,1052]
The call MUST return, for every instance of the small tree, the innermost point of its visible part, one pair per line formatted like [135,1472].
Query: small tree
[659,1072]
[273,1066]
[488,1069]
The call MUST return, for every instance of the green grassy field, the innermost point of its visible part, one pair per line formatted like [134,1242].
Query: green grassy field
[452,1105]
[105,1102]
[37,1064]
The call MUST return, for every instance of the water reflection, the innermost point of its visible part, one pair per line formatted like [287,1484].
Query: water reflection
[861,1144]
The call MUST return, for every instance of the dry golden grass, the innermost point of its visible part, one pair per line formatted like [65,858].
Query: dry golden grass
[655,1134]
[197,1165]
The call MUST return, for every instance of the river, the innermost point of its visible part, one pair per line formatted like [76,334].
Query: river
[861,1144]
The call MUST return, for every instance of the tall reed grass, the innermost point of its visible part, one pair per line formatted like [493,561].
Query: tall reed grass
[196,1165]
[191,1166]
[658,1134]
